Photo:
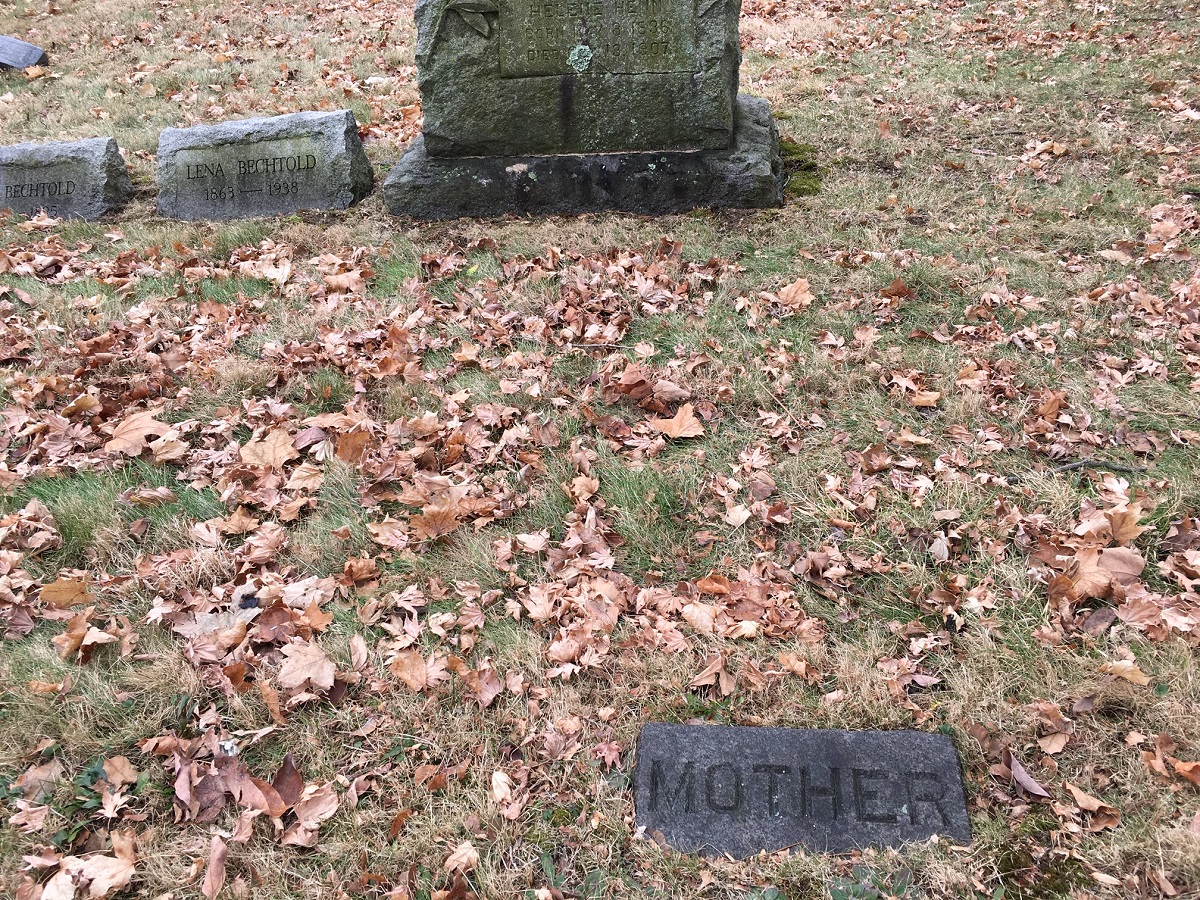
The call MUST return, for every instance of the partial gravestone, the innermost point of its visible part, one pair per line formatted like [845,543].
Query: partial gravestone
[66,179]
[262,167]
[536,106]
[715,790]
[16,54]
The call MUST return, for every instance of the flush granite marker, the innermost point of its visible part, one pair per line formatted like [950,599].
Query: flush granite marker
[16,54]
[538,106]
[67,179]
[262,167]
[712,789]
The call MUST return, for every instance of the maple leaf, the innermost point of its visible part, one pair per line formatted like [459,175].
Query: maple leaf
[306,664]
[65,592]
[434,521]
[700,616]
[271,452]
[715,673]
[797,295]
[484,683]
[1127,669]
[214,873]
[390,532]
[129,437]
[105,874]
[684,424]
[463,858]
[409,666]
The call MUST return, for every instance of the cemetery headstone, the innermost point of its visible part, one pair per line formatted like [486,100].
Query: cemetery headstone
[262,167]
[712,789]
[536,106]
[17,54]
[68,179]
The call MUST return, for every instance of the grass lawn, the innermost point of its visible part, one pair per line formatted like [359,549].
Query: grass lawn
[342,555]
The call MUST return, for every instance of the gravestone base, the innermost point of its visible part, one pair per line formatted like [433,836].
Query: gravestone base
[750,175]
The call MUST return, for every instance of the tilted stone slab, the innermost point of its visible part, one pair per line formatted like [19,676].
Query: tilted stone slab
[67,179]
[535,77]
[17,54]
[262,167]
[711,789]
[748,175]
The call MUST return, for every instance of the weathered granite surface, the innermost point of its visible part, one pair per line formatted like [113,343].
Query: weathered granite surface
[533,77]
[18,54]
[748,175]
[711,789]
[68,179]
[262,167]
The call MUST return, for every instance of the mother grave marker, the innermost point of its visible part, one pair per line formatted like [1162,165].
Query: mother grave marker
[262,167]
[711,789]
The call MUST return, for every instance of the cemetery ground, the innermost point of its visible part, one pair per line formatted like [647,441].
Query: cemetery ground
[346,556]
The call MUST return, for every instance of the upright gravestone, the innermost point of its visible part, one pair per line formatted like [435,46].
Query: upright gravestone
[580,105]
[15,54]
[66,179]
[262,167]
[710,789]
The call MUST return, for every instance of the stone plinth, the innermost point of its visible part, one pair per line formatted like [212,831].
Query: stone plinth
[748,175]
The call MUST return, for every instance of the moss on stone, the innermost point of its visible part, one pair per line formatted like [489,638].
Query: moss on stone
[802,175]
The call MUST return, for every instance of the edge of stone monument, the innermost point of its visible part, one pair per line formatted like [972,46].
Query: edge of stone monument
[8,42]
[337,128]
[102,153]
[747,176]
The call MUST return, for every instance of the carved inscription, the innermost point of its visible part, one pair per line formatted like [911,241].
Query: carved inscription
[810,792]
[252,179]
[54,189]
[581,37]
[741,790]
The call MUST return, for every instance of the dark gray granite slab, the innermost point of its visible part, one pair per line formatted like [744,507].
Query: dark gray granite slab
[713,789]
[750,175]
[68,179]
[17,54]
[262,167]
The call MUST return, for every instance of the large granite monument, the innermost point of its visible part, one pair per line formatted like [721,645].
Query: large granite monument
[536,106]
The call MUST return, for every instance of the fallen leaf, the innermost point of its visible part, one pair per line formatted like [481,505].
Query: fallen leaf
[271,452]
[464,858]
[129,437]
[1127,669]
[684,424]
[214,874]
[306,664]
[65,592]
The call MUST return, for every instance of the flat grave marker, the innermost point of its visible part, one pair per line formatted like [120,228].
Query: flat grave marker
[18,54]
[68,179]
[262,167]
[736,790]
